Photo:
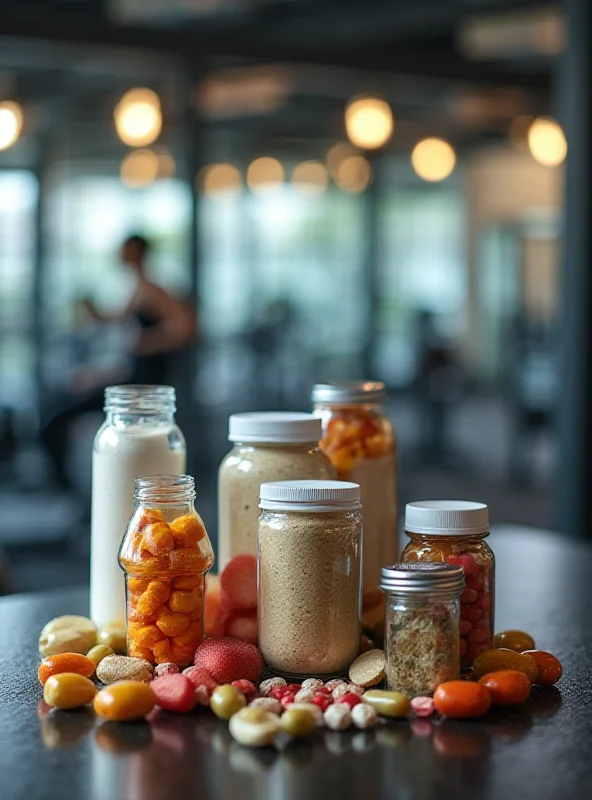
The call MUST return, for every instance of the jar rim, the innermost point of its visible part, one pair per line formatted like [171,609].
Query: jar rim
[421,577]
[163,489]
[341,392]
[140,399]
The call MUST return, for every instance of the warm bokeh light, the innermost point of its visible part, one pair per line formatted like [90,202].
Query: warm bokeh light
[369,122]
[354,174]
[166,164]
[217,178]
[11,123]
[265,174]
[337,155]
[139,168]
[547,142]
[138,118]
[433,159]
[310,177]
[518,132]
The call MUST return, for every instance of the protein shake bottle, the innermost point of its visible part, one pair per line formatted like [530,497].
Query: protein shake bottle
[138,438]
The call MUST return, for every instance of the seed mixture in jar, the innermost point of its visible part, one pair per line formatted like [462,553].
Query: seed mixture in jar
[422,625]
[309,585]
[423,648]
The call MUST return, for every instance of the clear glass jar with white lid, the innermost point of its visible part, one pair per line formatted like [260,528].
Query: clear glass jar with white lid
[138,438]
[360,440]
[422,626]
[310,553]
[267,446]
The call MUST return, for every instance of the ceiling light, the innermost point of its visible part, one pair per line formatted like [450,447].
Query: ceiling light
[433,159]
[369,122]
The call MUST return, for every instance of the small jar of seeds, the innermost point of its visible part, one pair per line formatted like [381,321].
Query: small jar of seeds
[422,626]
[310,552]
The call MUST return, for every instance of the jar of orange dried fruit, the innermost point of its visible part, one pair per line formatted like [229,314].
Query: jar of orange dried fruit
[359,439]
[165,555]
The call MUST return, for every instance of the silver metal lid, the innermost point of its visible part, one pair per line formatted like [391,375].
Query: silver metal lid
[348,392]
[422,577]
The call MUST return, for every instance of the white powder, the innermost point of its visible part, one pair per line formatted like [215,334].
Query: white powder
[119,457]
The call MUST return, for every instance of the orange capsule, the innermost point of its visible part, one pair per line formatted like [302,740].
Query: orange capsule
[65,662]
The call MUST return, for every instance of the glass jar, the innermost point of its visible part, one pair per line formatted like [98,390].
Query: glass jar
[359,439]
[139,437]
[422,626]
[453,532]
[310,552]
[268,446]
[165,556]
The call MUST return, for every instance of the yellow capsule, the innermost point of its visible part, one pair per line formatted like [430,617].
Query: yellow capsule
[124,701]
[98,653]
[68,690]
[388,704]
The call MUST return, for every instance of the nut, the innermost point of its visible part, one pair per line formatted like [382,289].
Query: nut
[271,683]
[305,695]
[338,717]
[298,722]
[339,691]
[254,726]
[121,668]
[268,703]
[67,634]
[364,716]
[312,683]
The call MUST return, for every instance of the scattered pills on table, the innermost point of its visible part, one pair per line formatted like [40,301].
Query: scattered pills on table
[68,690]
[125,701]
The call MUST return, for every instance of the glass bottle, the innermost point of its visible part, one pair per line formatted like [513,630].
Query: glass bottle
[139,437]
[422,626]
[267,446]
[165,556]
[359,439]
[454,532]
[310,552]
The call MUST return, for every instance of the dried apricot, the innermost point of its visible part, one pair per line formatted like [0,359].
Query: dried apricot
[186,582]
[146,635]
[184,602]
[150,516]
[173,624]
[157,593]
[65,662]
[462,699]
[507,686]
[191,636]
[135,651]
[163,652]
[188,530]
[125,701]
[549,668]
[158,539]
[494,660]
[514,640]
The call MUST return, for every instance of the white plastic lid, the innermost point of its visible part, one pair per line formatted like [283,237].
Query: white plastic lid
[310,496]
[274,426]
[447,517]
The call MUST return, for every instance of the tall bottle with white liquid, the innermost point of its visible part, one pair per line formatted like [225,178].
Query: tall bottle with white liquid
[138,438]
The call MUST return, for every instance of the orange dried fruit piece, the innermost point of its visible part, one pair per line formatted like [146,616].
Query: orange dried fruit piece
[146,635]
[137,585]
[157,593]
[191,636]
[184,602]
[158,539]
[173,624]
[188,559]
[368,668]
[188,530]
[135,651]
[182,656]
[149,517]
[186,582]
[163,652]
[65,662]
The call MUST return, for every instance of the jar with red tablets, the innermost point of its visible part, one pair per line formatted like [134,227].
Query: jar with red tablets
[454,532]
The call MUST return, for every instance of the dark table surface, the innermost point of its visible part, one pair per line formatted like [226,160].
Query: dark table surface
[540,750]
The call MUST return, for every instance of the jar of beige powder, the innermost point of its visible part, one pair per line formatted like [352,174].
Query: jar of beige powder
[268,446]
[310,553]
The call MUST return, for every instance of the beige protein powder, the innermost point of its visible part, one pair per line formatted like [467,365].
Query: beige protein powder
[310,539]
[268,446]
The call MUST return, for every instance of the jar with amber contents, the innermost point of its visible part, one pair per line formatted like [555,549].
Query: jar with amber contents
[454,532]
[165,555]
[359,439]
